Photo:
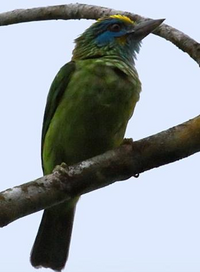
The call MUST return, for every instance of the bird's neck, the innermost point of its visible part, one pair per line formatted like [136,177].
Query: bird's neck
[88,51]
[125,66]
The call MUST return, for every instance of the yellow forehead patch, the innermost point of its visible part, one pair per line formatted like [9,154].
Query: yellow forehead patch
[123,18]
[118,16]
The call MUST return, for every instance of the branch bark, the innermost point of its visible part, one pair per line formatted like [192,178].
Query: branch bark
[80,11]
[128,160]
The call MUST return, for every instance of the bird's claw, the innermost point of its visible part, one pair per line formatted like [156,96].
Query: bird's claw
[127,141]
[61,169]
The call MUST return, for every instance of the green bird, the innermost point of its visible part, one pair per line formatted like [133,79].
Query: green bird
[88,107]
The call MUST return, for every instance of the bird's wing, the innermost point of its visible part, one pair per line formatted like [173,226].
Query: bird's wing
[57,89]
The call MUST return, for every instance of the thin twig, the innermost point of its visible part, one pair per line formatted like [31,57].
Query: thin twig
[80,11]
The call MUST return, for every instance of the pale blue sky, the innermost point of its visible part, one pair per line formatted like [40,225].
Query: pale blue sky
[148,224]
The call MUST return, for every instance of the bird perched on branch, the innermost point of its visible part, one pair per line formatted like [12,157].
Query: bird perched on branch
[88,107]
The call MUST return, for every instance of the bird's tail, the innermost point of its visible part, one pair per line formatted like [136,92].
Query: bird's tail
[51,246]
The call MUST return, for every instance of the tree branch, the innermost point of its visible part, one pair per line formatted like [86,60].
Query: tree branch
[129,159]
[80,11]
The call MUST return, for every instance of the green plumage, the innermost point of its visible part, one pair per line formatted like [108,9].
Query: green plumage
[88,108]
[92,114]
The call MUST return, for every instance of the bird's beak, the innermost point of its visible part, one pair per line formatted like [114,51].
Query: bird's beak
[142,29]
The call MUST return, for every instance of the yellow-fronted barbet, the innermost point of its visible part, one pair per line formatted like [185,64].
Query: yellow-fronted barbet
[88,107]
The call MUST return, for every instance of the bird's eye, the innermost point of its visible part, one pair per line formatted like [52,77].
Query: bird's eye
[114,27]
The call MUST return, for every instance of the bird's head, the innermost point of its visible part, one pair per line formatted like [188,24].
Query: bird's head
[115,35]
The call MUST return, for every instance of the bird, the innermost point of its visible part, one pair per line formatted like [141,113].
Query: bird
[88,108]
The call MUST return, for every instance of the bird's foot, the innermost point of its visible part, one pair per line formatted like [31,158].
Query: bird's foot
[127,141]
[61,169]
